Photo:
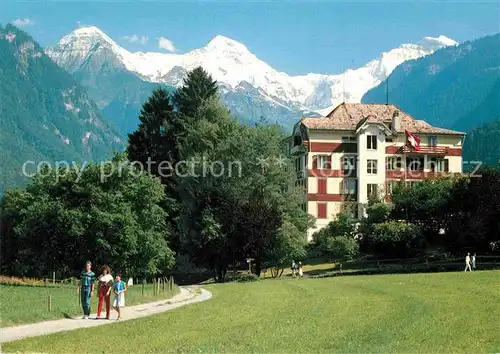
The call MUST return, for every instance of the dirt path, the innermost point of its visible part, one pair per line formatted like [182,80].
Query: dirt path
[187,295]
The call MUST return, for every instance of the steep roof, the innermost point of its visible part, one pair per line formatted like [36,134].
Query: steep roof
[347,115]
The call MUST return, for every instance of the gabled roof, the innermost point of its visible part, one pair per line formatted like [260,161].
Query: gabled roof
[346,116]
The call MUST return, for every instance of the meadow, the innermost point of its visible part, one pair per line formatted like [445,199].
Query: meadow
[28,304]
[434,312]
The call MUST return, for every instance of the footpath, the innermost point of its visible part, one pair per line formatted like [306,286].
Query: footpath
[186,296]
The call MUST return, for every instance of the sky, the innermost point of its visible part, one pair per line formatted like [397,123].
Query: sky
[296,37]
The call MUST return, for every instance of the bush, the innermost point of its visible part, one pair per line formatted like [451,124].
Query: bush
[248,278]
[340,248]
[336,241]
[395,239]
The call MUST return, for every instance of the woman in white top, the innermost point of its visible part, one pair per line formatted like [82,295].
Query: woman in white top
[105,285]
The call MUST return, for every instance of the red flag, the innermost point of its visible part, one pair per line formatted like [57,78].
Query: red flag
[413,140]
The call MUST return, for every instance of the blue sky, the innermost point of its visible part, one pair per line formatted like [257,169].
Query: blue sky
[294,37]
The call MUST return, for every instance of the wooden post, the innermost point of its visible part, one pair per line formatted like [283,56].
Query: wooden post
[143,281]
[50,303]
[163,286]
[54,278]
[159,284]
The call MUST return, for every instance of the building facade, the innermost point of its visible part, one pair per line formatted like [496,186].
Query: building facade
[360,151]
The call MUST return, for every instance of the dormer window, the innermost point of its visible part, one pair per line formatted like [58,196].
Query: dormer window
[297,140]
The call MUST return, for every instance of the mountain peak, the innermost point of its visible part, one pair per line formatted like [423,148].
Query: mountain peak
[89,30]
[226,43]
[434,43]
[92,32]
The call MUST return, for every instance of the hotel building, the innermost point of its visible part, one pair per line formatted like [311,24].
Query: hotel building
[360,151]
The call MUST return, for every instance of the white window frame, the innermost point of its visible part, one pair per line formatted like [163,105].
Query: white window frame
[370,141]
[439,164]
[372,167]
[369,190]
[392,162]
[391,183]
[328,160]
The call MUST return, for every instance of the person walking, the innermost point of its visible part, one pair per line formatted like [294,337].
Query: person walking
[301,271]
[105,285]
[473,262]
[467,263]
[294,269]
[86,288]
[120,288]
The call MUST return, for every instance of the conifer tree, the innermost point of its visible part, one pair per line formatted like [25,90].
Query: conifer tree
[198,87]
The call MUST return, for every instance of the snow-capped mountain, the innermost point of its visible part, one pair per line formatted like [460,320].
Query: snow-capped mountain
[232,64]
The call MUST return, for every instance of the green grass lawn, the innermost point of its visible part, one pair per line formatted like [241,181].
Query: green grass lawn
[27,304]
[431,313]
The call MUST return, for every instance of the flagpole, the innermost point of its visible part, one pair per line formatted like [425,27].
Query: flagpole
[404,158]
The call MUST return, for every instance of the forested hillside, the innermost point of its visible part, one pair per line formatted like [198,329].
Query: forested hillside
[45,114]
[455,87]
[483,144]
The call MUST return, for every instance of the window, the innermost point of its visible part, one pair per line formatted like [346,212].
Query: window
[415,164]
[371,142]
[391,184]
[299,164]
[349,186]
[372,190]
[303,206]
[297,140]
[371,167]
[433,140]
[323,161]
[437,165]
[348,139]
[300,183]
[393,163]
[349,165]
[321,210]
[322,186]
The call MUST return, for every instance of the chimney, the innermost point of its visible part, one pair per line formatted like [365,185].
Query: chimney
[396,122]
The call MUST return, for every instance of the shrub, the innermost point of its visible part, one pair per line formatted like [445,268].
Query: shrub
[248,278]
[340,248]
[395,239]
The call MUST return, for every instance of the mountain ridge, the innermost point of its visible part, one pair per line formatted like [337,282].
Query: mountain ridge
[231,63]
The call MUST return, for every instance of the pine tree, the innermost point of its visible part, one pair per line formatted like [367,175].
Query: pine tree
[198,87]
[151,140]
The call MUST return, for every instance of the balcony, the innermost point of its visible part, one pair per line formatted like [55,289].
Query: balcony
[428,150]
[413,174]
[424,150]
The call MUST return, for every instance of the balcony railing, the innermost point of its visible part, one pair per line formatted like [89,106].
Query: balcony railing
[437,150]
